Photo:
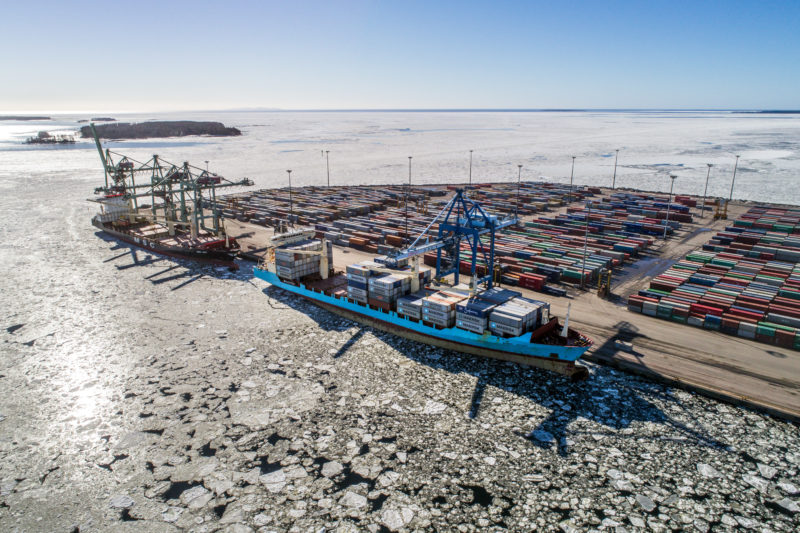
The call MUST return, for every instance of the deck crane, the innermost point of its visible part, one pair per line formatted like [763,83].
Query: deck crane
[461,219]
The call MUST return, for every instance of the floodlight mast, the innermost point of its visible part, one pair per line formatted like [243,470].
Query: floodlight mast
[705,192]
[571,174]
[614,179]
[408,194]
[470,170]
[328,166]
[291,203]
[669,203]
[733,180]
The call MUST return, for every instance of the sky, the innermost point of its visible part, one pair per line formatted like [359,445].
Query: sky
[62,56]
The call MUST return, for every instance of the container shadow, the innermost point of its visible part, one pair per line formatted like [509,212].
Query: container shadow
[607,403]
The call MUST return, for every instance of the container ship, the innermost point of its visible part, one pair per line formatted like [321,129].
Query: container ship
[396,295]
[181,219]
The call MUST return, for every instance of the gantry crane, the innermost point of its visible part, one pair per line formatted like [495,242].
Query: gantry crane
[180,195]
[462,219]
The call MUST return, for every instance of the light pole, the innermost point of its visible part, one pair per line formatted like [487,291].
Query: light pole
[291,203]
[585,243]
[519,181]
[571,174]
[703,207]
[614,179]
[734,178]
[470,169]
[669,203]
[206,167]
[408,193]
[328,165]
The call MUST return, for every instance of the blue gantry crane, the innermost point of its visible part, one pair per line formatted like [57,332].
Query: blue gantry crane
[462,219]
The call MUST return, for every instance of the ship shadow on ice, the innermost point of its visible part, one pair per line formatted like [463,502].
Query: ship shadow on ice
[599,411]
[605,405]
[182,272]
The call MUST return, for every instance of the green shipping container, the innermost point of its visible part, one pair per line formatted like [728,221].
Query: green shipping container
[765,330]
[778,326]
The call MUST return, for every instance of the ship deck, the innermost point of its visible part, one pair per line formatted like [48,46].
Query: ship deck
[160,232]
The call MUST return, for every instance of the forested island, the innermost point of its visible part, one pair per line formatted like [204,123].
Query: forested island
[22,117]
[44,137]
[146,130]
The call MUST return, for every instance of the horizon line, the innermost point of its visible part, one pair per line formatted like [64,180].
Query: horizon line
[427,110]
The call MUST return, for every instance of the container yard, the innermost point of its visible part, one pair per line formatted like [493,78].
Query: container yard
[562,248]
[744,282]
[542,259]
[547,248]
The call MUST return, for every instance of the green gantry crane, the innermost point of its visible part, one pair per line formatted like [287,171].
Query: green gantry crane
[180,195]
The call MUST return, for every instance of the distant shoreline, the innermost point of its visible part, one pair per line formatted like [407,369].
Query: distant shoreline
[505,110]
[438,110]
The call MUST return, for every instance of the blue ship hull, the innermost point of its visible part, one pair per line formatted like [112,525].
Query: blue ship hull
[559,358]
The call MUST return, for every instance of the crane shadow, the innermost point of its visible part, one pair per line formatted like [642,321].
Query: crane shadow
[176,270]
[622,340]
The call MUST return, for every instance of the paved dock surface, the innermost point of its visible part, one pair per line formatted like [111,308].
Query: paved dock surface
[732,368]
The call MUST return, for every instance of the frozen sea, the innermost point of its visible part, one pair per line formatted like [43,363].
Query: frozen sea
[140,393]
[373,147]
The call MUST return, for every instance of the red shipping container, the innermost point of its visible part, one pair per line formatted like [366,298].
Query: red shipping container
[787,311]
[784,339]
[531,281]
[729,321]
[705,309]
[749,316]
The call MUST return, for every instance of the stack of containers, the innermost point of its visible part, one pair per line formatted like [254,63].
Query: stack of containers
[385,289]
[517,316]
[358,276]
[751,298]
[648,206]
[473,313]
[533,197]
[291,265]
[439,309]
[410,305]
[532,281]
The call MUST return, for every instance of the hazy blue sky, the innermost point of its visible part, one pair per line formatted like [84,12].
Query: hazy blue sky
[148,56]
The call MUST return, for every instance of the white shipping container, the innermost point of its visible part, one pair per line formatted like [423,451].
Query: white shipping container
[694,321]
